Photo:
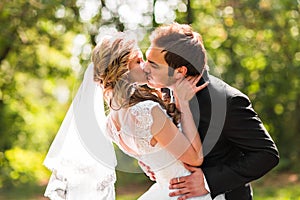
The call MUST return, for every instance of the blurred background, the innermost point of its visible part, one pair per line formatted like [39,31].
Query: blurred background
[45,47]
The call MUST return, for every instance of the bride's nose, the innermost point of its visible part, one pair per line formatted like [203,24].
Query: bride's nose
[146,67]
[142,64]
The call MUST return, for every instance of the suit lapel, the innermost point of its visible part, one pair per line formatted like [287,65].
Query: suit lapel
[211,104]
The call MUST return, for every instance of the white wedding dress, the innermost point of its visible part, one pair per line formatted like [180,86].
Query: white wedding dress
[135,132]
[81,157]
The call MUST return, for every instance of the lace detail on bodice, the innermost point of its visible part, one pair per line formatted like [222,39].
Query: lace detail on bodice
[135,132]
[143,123]
[142,113]
[135,129]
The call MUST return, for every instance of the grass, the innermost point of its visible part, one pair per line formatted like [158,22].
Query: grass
[23,193]
[283,186]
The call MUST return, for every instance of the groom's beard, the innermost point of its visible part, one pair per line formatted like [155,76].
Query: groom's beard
[170,71]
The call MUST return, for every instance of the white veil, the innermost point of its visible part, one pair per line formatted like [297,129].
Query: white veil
[81,158]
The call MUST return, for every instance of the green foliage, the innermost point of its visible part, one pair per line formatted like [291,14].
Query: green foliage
[35,84]
[253,45]
[21,169]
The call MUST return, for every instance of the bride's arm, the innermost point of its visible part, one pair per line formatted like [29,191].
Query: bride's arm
[189,128]
[184,90]
[170,137]
[186,147]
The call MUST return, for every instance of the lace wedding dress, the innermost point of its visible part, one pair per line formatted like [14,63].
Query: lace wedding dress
[134,131]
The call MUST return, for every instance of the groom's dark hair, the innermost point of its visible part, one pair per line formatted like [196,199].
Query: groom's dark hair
[183,47]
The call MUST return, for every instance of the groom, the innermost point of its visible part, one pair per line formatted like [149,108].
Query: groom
[236,146]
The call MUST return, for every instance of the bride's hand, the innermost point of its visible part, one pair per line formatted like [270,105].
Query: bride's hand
[186,88]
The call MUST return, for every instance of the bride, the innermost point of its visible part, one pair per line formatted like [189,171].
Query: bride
[82,158]
[139,122]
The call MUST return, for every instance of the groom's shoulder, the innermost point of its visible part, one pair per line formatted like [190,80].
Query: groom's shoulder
[222,86]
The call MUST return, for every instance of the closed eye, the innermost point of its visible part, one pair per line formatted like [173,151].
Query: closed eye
[153,64]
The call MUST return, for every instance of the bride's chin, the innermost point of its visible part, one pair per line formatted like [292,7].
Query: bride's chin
[142,82]
[151,84]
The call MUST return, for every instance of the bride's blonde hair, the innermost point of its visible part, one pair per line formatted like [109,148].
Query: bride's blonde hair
[111,58]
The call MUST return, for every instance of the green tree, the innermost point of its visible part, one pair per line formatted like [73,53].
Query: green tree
[45,46]
[254,46]
[35,42]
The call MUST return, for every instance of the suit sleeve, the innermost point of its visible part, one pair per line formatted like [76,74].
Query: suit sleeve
[258,153]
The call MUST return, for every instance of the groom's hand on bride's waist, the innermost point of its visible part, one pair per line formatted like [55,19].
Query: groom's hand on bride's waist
[189,186]
[147,170]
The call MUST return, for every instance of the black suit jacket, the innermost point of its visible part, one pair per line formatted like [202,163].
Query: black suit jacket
[237,148]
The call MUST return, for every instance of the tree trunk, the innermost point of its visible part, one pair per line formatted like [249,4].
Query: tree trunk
[154,24]
[189,16]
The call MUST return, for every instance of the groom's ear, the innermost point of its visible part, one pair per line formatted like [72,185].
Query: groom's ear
[180,72]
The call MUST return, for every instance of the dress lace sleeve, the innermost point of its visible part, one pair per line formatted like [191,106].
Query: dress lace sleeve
[138,127]
[142,114]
